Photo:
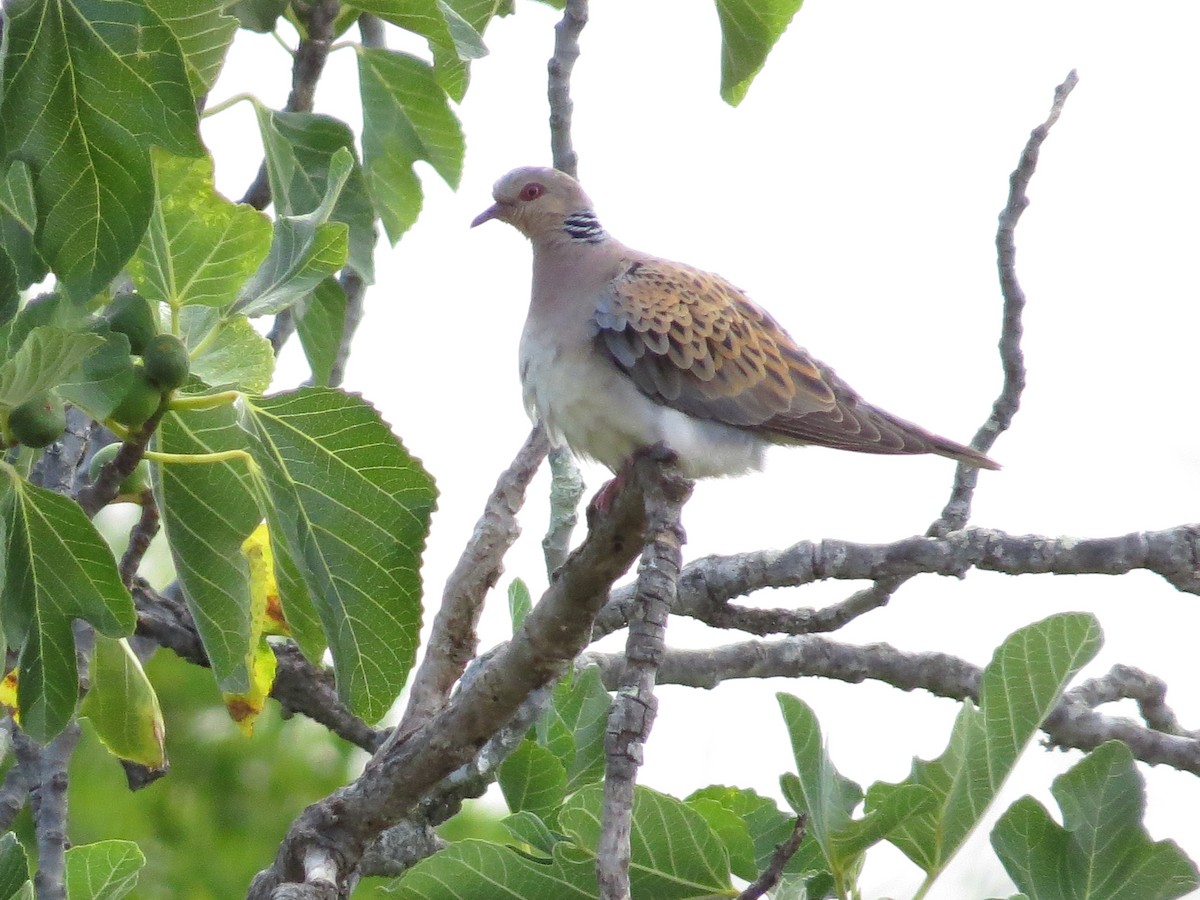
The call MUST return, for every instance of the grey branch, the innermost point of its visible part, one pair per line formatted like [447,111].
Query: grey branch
[567,485]
[407,767]
[566,490]
[634,706]
[140,536]
[453,641]
[1127,683]
[566,51]
[707,585]
[958,508]
[20,777]
[1073,724]
[48,804]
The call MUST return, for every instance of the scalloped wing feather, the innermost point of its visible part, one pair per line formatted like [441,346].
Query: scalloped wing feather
[693,341]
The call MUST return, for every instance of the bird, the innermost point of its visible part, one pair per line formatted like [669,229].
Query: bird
[622,351]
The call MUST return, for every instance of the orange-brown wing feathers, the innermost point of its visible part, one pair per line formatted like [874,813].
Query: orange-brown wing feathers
[693,341]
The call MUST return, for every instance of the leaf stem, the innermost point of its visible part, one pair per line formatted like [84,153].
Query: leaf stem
[206,401]
[189,459]
[203,343]
[930,878]
[226,104]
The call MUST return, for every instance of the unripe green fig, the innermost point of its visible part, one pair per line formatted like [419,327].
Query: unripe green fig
[140,401]
[39,421]
[167,362]
[137,481]
[133,316]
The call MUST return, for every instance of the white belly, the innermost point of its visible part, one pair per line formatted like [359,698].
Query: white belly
[584,401]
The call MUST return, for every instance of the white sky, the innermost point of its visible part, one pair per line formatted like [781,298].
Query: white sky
[854,194]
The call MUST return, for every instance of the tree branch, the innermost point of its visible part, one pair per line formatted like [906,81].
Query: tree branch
[634,707]
[407,767]
[566,52]
[1072,725]
[453,641]
[48,803]
[140,536]
[707,585]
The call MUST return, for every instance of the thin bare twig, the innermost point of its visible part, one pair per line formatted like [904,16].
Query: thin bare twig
[453,641]
[566,52]
[958,508]
[567,485]
[140,536]
[634,706]
[779,859]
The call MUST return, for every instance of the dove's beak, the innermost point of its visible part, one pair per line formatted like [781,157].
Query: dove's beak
[492,212]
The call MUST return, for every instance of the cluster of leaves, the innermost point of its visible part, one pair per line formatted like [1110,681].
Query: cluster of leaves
[693,848]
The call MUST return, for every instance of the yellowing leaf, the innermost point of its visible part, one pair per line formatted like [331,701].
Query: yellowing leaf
[8,693]
[264,589]
[244,708]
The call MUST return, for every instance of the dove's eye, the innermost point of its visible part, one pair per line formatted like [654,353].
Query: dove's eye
[532,191]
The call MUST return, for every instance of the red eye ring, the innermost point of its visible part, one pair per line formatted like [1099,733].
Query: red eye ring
[532,191]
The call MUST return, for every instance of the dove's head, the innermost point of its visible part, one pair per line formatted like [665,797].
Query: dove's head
[536,201]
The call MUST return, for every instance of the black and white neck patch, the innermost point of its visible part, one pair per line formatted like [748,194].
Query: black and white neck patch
[585,227]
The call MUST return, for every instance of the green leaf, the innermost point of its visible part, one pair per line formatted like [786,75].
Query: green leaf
[304,250]
[204,34]
[18,223]
[320,323]
[100,382]
[208,510]
[749,29]
[480,870]
[1102,850]
[828,798]
[436,21]
[768,828]
[734,833]
[227,351]
[410,120]
[106,870]
[199,248]
[519,603]
[57,569]
[301,148]
[533,780]
[353,508]
[258,15]
[89,86]
[531,830]
[674,852]
[14,867]
[46,359]
[123,707]
[675,856]
[1018,689]
[574,725]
